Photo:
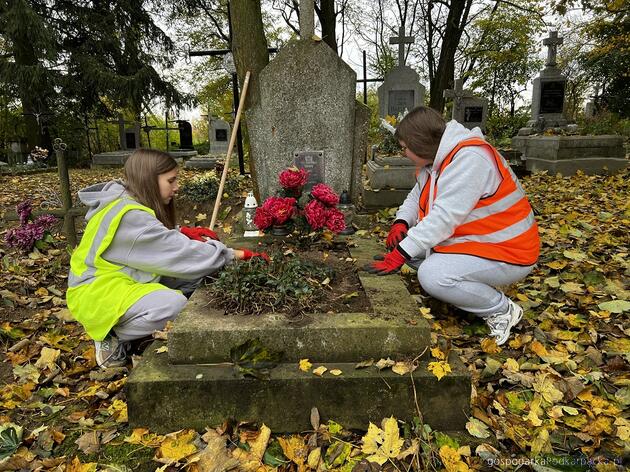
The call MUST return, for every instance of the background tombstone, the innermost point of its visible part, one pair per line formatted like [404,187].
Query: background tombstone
[307,104]
[219,136]
[401,88]
[185,135]
[548,93]
[391,177]
[468,110]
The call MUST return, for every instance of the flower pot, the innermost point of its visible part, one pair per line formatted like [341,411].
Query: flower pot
[280,230]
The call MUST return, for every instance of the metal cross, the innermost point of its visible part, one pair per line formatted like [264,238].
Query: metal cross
[401,40]
[307,19]
[552,43]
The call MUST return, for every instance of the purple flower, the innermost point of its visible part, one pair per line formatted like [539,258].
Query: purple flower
[46,221]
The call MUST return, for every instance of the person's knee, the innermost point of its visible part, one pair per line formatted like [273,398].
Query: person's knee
[434,281]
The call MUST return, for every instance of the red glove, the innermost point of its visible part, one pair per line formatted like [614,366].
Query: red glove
[396,234]
[247,255]
[390,264]
[198,233]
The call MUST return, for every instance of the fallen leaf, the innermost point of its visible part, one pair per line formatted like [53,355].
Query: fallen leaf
[89,443]
[176,446]
[439,369]
[305,365]
[382,444]
[320,370]
[477,428]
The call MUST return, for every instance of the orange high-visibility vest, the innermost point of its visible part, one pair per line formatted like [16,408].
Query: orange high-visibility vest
[500,227]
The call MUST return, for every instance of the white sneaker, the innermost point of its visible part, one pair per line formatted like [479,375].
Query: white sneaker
[501,323]
[110,352]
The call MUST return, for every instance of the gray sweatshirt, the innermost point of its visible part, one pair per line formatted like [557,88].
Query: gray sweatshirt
[471,175]
[143,243]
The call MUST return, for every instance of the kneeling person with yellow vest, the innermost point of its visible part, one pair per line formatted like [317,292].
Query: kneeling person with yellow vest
[466,225]
[133,270]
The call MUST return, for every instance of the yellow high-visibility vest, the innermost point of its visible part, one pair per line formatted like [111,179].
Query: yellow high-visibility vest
[100,292]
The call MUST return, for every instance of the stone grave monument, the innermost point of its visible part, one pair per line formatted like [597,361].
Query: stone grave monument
[219,132]
[558,153]
[391,177]
[308,113]
[190,385]
[470,111]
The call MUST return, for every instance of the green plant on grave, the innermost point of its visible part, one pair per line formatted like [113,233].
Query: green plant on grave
[204,187]
[287,284]
[388,144]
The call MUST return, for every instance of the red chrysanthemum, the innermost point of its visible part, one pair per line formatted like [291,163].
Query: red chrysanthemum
[325,194]
[293,178]
[262,219]
[315,213]
[334,220]
[281,209]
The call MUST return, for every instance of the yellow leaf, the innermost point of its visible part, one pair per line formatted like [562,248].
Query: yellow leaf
[438,354]
[477,428]
[201,217]
[41,292]
[623,429]
[336,372]
[575,255]
[294,449]
[383,363]
[538,348]
[602,424]
[541,443]
[439,369]
[176,447]
[382,444]
[118,410]
[144,437]
[451,459]
[543,384]
[557,265]
[251,460]
[511,365]
[47,358]
[161,349]
[305,365]
[215,457]
[320,370]
[489,345]
[314,458]
[227,229]
[77,466]
[402,368]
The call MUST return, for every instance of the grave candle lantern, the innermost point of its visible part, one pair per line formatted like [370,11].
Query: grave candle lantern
[249,211]
[346,207]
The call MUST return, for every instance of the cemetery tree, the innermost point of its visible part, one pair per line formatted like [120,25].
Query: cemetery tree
[81,59]
[29,47]
[502,57]
[249,45]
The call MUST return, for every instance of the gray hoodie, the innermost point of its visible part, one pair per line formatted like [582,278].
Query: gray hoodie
[471,175]
[143,243]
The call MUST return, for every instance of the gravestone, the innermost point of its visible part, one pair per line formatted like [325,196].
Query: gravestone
[401,89]
[470,111]
[219,136]
[189,385]
[400,92]
[185,135]
[307,104]
[548,94]
[562,154]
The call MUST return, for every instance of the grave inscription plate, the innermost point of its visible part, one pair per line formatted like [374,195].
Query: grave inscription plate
[473,114]
[220,134]
[313,162]
[552,97]
[399,101]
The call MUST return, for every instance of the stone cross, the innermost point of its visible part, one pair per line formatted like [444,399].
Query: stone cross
[401,40]
[307,19]
[457,92]
[552,43]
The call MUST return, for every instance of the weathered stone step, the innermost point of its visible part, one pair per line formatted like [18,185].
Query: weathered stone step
[203,335]
[165,397]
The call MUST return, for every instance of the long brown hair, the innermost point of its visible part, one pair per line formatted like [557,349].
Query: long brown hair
[421,130]
[141,180]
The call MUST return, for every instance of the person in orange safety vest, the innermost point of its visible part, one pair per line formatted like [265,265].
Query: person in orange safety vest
[467,225]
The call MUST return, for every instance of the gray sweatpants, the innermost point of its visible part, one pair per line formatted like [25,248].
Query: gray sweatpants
[154,310]
[468,282]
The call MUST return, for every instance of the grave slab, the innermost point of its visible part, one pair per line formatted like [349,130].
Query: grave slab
[165,397]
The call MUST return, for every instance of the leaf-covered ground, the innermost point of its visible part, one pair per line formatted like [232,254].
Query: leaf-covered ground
[559,391]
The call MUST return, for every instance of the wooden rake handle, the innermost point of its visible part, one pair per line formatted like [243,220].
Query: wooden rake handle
[237,120]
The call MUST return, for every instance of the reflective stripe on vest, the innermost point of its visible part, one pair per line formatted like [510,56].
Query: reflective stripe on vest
[100,292]
[500,227]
